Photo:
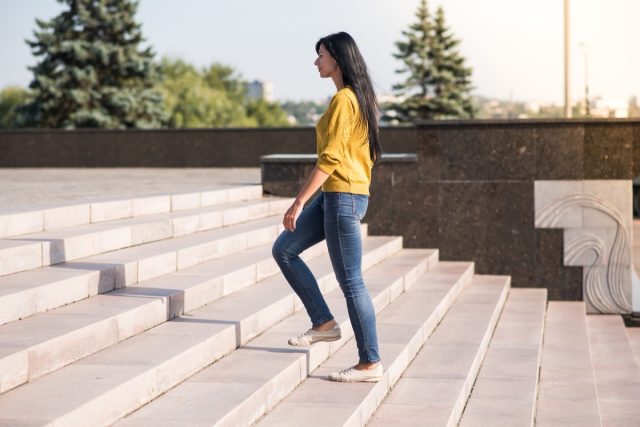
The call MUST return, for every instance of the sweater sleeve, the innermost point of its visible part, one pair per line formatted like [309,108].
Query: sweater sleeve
[340,125]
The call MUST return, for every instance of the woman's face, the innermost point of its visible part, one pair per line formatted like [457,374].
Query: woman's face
[327,66]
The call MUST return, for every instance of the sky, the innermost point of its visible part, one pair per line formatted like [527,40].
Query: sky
[515,47]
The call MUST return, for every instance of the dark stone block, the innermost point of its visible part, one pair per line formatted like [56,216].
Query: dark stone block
[477,153]
[464,210]
[608,151]
[490,223]
[398,204]
[463,154]
[509,244]
[168,147]
[636,151]
[399,139]
[282,172]
[285,179]
[379,212]
[416,213]
[429,153]
[559,152]
[562,283]
[512,154]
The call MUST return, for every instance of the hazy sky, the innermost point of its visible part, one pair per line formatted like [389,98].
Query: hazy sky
[513,46]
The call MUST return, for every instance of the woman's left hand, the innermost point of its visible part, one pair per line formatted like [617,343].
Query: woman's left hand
[291,216]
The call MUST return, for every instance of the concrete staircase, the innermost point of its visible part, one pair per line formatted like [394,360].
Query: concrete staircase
[169,311]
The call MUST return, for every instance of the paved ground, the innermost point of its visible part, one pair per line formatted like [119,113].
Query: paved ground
[29,188]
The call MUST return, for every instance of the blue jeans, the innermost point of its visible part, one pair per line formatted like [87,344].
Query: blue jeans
[335,217]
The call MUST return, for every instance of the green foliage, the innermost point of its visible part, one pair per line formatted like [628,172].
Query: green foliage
[191,100]
[212,97]
[92,71]
[438,84]
[267,114]
[11,98]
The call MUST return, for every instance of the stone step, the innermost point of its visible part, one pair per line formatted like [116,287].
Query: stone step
[634,339]
[49,341]
[30,292]
[54,247]
[434,388]
[615,369]
[402,329]
[257,376]
[53,217]
[102,388]
[566,390]
[505,391]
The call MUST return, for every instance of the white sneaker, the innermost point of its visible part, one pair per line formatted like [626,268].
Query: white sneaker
[313,336]
[358,375]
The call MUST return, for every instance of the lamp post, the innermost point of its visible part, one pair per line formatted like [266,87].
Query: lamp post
[567,101]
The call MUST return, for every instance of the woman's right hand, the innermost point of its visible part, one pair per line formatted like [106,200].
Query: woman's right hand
[291,216]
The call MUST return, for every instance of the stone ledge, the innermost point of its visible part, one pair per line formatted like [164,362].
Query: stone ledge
[312,158]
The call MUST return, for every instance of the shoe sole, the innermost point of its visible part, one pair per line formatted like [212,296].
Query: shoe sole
[367,380]
[315,341]
[327,339]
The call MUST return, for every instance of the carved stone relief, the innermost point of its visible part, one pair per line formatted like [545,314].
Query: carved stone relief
[602,247]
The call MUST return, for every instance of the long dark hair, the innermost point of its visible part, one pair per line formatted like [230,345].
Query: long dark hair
[344,50]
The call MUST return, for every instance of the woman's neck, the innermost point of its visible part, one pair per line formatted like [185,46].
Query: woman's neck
[338,80]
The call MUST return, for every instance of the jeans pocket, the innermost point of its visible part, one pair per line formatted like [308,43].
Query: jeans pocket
[360,204]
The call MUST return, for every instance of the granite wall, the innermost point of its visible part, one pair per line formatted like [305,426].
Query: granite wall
[471,192]
[167,147]
[476,198]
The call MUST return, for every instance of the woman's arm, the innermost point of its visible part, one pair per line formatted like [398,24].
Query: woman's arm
[315,181]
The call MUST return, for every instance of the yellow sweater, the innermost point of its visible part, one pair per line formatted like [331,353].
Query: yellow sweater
[342,142]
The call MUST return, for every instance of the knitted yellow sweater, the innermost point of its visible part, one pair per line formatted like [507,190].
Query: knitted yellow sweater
[342,143]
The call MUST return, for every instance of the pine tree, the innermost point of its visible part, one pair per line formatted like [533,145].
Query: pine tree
[451,79]
[439,84]
[414,53]
[92,71]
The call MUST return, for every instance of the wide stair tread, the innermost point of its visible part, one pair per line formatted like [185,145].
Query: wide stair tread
[634,339]
[103,387]
[402,329]
[505,390]
[567,391]
[254,378]
[434,388]
[54,247]
[616,371]
[15,222]
[48,341]
[27,293]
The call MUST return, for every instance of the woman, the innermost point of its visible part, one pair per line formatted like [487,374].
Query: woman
[347,146]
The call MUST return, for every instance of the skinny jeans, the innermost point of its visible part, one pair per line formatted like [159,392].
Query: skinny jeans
[335,217]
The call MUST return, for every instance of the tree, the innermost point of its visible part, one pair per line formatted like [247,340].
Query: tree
[212,97]
[190,101]
[92,71]
[438,83]
[451,80]
[11,98]
[267,114]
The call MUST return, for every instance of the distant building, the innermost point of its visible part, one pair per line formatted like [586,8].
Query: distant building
[600,107]
[259,89]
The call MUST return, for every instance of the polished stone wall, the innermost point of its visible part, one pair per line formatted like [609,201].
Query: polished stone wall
[478,182]
[471,193]
[175,148]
